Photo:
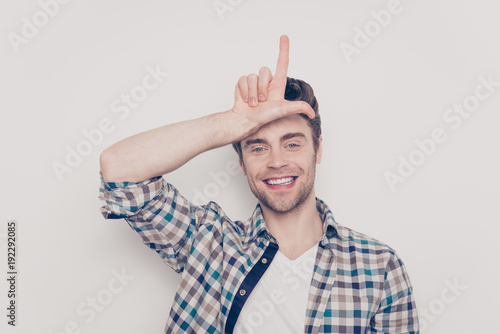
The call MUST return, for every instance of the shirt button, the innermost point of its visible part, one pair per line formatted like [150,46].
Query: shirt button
[264,260]
[242,292]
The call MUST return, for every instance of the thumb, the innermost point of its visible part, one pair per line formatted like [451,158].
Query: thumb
[298,107]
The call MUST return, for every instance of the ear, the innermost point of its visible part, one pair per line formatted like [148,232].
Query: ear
[319,151]
[243,168]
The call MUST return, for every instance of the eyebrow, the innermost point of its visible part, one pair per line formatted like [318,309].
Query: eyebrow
[282,139]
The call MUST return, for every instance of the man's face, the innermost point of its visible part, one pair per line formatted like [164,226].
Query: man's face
[280,163]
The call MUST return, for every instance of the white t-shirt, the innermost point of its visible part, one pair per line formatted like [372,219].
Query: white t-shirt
[278,302]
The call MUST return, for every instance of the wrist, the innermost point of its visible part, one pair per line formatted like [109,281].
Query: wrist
[221,128]
[239,127]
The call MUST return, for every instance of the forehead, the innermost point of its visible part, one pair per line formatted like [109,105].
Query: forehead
[277,128]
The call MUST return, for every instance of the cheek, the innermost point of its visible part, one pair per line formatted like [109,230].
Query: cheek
[255,172]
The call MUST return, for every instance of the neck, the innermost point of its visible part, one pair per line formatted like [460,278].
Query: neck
[297,230]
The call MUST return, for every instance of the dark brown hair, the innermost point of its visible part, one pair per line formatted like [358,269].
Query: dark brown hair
[298,90]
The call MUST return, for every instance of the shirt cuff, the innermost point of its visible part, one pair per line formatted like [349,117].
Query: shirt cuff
[126,199]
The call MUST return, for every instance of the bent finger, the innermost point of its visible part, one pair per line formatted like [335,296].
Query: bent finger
[253,81]
[243,88]
[265,77]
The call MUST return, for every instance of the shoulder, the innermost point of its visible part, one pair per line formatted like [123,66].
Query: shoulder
[347,240]
[351,246]
[361,241]
[212,212]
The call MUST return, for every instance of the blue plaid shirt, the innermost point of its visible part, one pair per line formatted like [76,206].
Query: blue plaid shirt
[359,284]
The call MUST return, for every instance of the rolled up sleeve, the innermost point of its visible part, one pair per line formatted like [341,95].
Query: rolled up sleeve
[166,221]
[126,199]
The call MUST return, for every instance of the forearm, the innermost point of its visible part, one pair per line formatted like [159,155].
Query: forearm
[162,150]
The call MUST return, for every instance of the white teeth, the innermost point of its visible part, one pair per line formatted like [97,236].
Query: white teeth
[283,181]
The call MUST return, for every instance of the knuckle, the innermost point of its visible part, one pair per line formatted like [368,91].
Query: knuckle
[265,69]
[252,76]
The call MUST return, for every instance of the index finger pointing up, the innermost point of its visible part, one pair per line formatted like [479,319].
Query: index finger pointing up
[282,67]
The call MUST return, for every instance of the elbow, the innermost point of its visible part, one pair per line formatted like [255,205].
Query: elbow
[106,162]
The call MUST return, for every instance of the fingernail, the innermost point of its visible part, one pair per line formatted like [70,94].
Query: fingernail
[246,98]
[253,100]
[261,97]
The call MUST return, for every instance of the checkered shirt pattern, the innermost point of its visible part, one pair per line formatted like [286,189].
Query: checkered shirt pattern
[359,284]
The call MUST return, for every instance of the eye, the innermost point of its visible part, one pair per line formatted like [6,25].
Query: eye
[257,149]
[293,145]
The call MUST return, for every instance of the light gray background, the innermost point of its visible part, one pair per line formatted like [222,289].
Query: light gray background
[443,220]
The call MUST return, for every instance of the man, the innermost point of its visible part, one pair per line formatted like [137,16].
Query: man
[290,268]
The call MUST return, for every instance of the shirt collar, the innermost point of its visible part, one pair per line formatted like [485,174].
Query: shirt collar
[258,226]
[331,229]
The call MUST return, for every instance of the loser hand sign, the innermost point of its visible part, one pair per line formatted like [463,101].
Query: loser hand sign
[261,99]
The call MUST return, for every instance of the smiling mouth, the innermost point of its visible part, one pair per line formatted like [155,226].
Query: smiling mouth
[281,181]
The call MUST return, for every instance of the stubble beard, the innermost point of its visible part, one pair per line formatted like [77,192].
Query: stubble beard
[281,204]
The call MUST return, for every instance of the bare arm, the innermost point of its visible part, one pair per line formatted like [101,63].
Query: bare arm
[162,150]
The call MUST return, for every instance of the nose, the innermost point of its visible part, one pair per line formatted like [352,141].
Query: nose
[277,159]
